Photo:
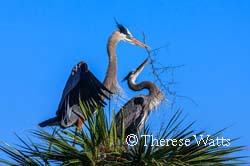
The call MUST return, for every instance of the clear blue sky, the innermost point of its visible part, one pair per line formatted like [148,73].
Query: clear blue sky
[40,41]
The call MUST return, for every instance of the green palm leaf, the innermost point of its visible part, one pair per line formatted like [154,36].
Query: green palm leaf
[97,144]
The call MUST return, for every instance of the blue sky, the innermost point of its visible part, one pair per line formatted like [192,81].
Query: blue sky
[40,41]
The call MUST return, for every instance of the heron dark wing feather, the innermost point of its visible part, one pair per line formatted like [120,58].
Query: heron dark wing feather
[132,110]
[83,85]
[102,87]
[98,91]
[88,92]
[71,83]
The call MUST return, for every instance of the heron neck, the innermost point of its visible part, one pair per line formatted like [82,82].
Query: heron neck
[143,85]
[110,81]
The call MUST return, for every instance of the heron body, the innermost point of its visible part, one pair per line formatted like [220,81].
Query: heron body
[83,85]
[137,110]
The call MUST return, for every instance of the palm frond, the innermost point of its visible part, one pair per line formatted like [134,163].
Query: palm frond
[98,144]
[194,154]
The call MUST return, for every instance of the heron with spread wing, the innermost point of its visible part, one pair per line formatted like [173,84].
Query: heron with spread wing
[136,111]
[83,85]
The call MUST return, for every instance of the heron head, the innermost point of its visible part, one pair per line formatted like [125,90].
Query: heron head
[126,36]
[132,75]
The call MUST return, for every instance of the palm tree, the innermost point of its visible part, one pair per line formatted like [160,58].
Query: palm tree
[98,144]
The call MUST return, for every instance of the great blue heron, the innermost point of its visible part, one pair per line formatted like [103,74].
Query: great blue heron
[83,85]
[136,111]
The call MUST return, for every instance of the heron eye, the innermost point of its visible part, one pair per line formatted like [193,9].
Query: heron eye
[128,36]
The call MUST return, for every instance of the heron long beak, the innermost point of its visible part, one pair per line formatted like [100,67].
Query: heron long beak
[137,71]
[126,78]
[137,42]
[141,67]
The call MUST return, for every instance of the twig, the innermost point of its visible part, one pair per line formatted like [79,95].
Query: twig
[157,71]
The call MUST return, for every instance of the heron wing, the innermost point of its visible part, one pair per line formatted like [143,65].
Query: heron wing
[132,111]
[71,83]
[83,85]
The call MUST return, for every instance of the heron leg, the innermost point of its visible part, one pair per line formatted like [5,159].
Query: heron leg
[79,124]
